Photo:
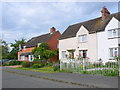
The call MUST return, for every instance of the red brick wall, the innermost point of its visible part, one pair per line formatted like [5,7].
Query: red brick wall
[53,42]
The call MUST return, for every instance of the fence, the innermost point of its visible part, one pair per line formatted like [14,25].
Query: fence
[84,66]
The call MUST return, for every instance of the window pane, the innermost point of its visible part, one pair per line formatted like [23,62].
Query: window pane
[83,38]
[111,52]
[119,51]
[63,54]
[119,32]
[80,38]
[114,33]
[110,33]
[115,52]
[83,53]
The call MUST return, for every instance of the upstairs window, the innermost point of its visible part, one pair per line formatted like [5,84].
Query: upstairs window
[114,33]
[83,38]
[38,44]
[24,47]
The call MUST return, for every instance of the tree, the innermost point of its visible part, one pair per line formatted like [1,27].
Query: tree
[44,51]
[15,49]
[4,49]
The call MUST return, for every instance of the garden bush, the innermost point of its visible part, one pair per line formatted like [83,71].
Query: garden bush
[111,64]
[56,67]
[26,64]
[14,63]
[97,64]
[50,64]
[37,65]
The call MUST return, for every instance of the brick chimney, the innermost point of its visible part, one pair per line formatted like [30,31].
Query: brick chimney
[104,12]
[52,30]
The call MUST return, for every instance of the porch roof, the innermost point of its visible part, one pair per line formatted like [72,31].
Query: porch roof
[25,54]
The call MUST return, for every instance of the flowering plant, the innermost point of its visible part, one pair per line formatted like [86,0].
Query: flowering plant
[79,57]
[69,56]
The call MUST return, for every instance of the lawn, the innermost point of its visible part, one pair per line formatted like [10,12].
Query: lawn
[46,69]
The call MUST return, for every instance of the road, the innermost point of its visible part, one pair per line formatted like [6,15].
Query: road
[10,80]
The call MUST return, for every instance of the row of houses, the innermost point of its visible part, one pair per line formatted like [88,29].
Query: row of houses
[98,39]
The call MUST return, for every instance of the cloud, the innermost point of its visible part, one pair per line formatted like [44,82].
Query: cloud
[31,19]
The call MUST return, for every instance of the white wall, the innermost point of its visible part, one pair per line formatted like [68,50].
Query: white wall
[97,45]
[66,44]
[90,45]
[73,43]
[104,43]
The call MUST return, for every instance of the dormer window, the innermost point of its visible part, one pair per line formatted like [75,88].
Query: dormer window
[83,38]
[24,47]
[38,44]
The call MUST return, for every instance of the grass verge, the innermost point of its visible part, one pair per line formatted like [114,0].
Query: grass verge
[46,69]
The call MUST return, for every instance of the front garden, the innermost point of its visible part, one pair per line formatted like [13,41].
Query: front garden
[72,65]
[37,66]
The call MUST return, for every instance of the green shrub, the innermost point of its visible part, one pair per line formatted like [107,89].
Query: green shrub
[104,72]
[50,64]
[84,72]
[56,68]
[97,64]
[6,64]
[37,65]
[25,64]
[36,60]
[110,64]
[14,63]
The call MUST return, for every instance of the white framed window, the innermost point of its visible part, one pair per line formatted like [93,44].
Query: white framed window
[39,56]
[23,58]
[83,38]
[83,53]
[24,47]
[31,58]
[38,44]
[63,54]
[113,52]
[114,33]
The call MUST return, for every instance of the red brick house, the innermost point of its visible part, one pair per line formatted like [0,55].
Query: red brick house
[51,39]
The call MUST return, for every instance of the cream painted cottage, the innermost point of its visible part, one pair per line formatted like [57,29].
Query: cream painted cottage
[98,39]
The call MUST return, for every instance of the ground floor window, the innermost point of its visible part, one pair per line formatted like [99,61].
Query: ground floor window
[63,54]
[22,57]
[31,57]
[83,53]
[113,52]
[71,53]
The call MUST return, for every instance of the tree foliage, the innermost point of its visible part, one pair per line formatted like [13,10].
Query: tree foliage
[4,50]
[15,49]
[44,51]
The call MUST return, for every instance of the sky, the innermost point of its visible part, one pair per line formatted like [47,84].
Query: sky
[30,19]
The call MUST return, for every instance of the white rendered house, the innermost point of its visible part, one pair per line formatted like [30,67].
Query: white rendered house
[97,39]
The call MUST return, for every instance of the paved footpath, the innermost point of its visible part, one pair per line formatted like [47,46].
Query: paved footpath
[91,81]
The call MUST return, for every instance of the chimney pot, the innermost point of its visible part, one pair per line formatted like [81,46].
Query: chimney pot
[53,29]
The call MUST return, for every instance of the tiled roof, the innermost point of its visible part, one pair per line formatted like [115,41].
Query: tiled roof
[39,39]
[92,26]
